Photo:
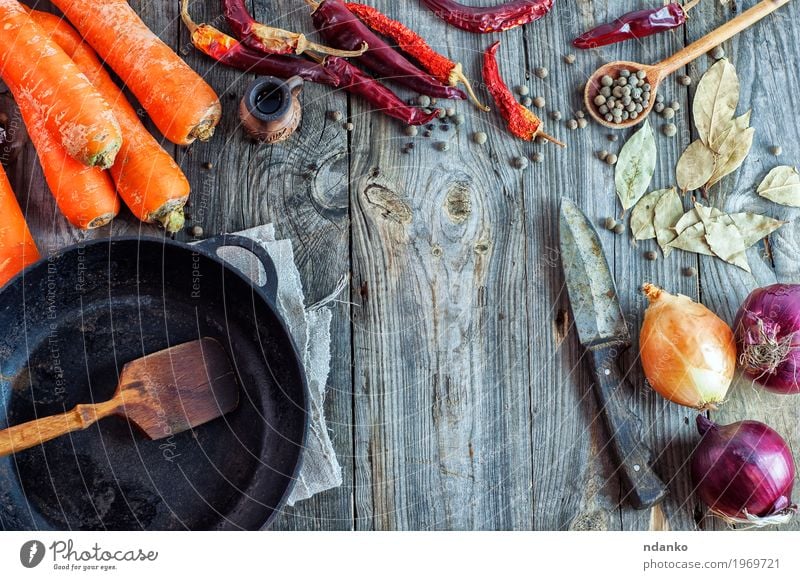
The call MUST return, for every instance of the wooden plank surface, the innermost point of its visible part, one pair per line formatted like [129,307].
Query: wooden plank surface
[459,397]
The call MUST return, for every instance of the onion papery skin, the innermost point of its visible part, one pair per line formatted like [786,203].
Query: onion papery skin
[688,353]
[744,472]
[767,332]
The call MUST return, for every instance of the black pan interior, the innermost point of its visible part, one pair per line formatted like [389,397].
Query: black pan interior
[67,328]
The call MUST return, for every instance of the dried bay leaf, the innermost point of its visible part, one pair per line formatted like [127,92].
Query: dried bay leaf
[695,167]
[695,215]
[781,185]
[693,239]
[754,227]
[736,150]
[668,211]
[715,102]
[643,215]
[635,166]
[726,242]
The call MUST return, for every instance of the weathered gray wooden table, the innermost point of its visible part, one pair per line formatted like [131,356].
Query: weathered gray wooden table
[458,397]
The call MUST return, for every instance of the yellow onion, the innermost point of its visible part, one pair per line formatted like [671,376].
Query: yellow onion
[688,352]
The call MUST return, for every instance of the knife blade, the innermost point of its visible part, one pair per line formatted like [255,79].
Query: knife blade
[592,292]
[602,331]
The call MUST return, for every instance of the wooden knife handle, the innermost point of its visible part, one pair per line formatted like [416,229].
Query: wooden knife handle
[645,488]
[33,433]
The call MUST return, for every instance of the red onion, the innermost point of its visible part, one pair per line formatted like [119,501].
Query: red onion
[767,331]
[744,472]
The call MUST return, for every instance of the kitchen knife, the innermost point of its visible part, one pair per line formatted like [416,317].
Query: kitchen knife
[602,331]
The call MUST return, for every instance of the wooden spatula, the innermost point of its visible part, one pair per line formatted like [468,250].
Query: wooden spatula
[163,393]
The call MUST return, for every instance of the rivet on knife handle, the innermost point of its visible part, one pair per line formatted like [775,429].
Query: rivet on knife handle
[643,487]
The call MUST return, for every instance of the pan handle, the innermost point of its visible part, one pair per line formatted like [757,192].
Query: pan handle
[270,288]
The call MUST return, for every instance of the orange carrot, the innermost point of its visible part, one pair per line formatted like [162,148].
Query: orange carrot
[85,195]
[179,102]
[17,248]
[32,65]
[147,177]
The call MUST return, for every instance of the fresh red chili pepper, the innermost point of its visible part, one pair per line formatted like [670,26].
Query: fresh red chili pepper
[521,121]
[489,18]
[438,65]
[230,52]
[356,82]
[340,27]
[272,40]
[637,24]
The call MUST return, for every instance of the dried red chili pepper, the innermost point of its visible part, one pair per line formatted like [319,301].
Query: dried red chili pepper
[489,18]
[438,65]
[333,71]
[340,27]
[356,82]
[230,52]
[637,24]
[521,121]
[272,40]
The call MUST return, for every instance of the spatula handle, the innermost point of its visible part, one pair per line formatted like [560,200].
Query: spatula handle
[33,433]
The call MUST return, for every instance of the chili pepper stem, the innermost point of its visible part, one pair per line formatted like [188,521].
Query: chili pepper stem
[313,4]
[187,20]
[457,75]
[689,5]
[550,138]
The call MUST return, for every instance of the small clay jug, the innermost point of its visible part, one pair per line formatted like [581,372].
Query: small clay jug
[270,110]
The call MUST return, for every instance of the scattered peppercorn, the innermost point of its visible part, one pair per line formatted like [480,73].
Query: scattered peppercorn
[684,80]
[776,150]
[717,53]
[602,155]
[424,101]
[659,98]
[689,271]
[522,90]
[445,127]
[196,231]
[659,107]
[613,137]
[207,165]
[427,133]
[609,223]
[619,229]
[669,129]
[555,115]
[582,123]
[539,102]
[675,106]
[442,146]
[479,137]
[668,113]
[537,157]
[411,131]
[335,115]
[441,113]
[569,58]
[541,72]
[580,115]
[611,159]
[526,101]
[572,124]
[651,255]
[350,127]
[520,163]
[450,111]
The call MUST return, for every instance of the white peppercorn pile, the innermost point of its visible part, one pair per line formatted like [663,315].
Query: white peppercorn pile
[623,98]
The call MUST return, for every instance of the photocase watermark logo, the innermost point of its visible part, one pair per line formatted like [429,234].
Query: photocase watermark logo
[31,553]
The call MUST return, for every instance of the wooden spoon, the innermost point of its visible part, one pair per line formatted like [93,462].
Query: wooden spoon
[658,72]
[163,393]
